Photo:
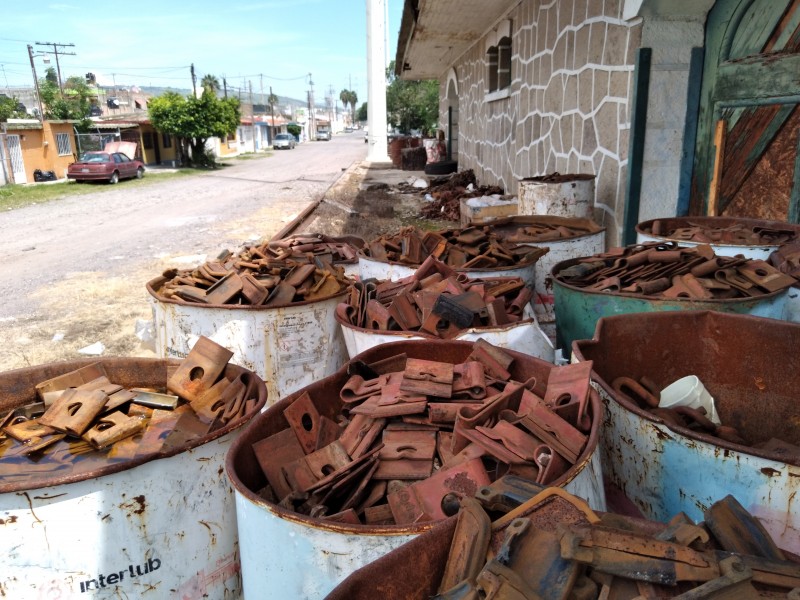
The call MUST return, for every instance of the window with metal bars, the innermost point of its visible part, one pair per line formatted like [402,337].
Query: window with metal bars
[64,144]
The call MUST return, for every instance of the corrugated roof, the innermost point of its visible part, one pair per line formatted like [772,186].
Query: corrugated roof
[112,126]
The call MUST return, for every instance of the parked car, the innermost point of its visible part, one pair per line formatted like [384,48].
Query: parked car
[284,140]
[348,130]
[105,166]
[324,135]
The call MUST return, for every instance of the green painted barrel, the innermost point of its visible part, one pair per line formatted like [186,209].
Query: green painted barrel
[578,310]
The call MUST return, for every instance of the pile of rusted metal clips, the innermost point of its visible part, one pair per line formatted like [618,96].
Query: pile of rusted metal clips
[787,259]
[436,301]
[667,270]
[414,435]
[735,233]
[543,229]
[469,248]
[83,419]
[311,247]
[272,274]
[447,194]
[553,546]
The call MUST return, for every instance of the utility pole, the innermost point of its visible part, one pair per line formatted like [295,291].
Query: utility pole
[194,81]
[56,46]
[272,110]
[261,78]
[36,82]
[6,78]
[225,86]
[312,117]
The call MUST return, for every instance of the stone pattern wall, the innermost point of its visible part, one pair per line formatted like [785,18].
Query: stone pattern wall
[568,104]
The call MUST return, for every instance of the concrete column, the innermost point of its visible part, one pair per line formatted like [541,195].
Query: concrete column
[376,74]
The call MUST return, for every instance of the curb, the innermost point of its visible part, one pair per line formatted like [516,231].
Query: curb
[309,210]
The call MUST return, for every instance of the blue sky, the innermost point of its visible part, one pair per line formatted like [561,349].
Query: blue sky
[153,43]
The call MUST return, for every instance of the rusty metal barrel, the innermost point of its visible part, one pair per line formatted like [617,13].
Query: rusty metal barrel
[578,309]
[161,524]
[286,554]
[583,237]
[728,236]
[288,346]
[749,366]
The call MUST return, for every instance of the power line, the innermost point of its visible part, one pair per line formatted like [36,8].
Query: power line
[56,46]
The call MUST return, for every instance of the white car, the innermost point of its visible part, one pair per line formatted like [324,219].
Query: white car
[284,140]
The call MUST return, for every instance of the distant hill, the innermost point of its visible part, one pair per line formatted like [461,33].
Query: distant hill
[282,100]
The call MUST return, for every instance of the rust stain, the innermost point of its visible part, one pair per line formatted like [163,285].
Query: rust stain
[770,472]
[49,497]
[137,505]
[9,520]
[142,504]
[30,505]
[213,535]
[663,435]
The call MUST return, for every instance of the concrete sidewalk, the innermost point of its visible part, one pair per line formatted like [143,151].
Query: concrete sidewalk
[362,200]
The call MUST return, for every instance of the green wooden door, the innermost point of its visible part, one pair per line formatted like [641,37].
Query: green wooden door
[749,102]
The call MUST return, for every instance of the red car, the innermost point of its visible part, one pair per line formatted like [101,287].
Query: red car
[110,165]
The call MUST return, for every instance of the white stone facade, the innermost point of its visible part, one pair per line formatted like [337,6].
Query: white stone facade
[567,107]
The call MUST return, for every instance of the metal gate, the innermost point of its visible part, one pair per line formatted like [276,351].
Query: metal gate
[94,142]
[17,165]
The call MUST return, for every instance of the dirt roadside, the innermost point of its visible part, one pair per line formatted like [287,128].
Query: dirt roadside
[108,305]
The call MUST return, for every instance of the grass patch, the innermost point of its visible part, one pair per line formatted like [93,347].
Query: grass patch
[20,195]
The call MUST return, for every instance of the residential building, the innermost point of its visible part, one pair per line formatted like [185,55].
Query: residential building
[631,91]
[28,144]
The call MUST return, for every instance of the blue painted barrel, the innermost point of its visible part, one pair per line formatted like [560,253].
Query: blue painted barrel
[578,310]
[749,365]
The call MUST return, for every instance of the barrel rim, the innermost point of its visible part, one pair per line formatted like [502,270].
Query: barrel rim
[702,316]
[423,335]
[158,282]
[241,443]
[560,266]
[520,265]
[504,221]
[718,221]
[110,469]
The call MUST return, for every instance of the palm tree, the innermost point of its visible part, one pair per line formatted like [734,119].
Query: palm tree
[344,96]
[210,84]
[272,100]
[353,101]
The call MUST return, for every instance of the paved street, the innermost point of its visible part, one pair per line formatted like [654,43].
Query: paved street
[68,263]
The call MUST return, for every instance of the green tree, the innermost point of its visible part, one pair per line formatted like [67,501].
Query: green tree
[349,97]
[353,101]
[344,96]
[74,104]
[411,104]
[10,109]
[193,120]
[294,129]
[210,83]
[272,100]
[362,113]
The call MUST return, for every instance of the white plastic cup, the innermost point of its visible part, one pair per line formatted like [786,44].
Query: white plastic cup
[689,391]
